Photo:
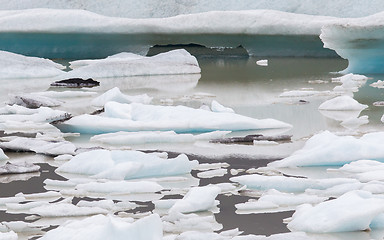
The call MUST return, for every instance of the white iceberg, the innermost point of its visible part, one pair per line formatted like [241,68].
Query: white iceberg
[262,62]
[354,211]
[2,155]
[138,117]
[121,165]
[66,210]
[172,62]
[197,199]
[19,66]
[101,227]
[349,82]
[33,100]
[116,95]
[124,138]
[359,40]
[342,103]
[18,113]
[327,149]
[217,107]
[39,146]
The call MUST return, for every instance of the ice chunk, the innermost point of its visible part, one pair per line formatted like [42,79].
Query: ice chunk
[2,155]
[124,138]
[350,82]
[378,84]
[197,199]
[342,103]
[120,187]
[135,116]
[355,122]
[212,173]
[300,93]
[19,66]
[40,146]
[263,62]
[33,100]
[18,113]
[217,107]
[327,149]
[10,168]
[353,211]
[280,183]
[172,62]
[126,165]
[108,205]
[115,95]
[66,210]
[8,235]
[101,227]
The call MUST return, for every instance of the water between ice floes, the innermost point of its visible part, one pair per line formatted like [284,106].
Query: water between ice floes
[249,89]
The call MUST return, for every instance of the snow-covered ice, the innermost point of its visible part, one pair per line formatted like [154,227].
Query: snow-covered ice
[354,211]
[121,165]
[116,95]
[124,138]
[172,62]
[342,103]
[327,149]
[18,66]
[135,117]
[104,227]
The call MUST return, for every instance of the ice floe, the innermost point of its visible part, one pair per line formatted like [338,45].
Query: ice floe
[39,146]
[217,107]
[172,62]
[2,155]
[19,66]
[378,84]
[327,149]
[66,210]
[124,138]
[11,168]
[263,62]
[135,117]
[104,227]
[120,187]
[115,95]
[354,211]
[342,103]
[121,165]
[197,199]
[33,101]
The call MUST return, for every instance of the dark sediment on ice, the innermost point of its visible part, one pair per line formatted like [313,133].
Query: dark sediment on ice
[76,83]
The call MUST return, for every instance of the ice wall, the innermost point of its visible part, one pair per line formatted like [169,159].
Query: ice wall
[361,41]
[167,8]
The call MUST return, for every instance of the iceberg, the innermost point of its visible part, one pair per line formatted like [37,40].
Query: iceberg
[16,113]
[10,168]
[358,40]
[33,101]
[139,117]
[101,227]
[197,199]
[342,103]
[353,211]
[116,95]
[169,63]
[15,66]
[120,165]
[327,149]
[124,138]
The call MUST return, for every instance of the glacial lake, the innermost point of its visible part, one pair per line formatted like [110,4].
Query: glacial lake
[249,89]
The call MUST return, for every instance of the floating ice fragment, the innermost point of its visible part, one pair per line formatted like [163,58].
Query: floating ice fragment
[172,62]
[342,103]
[138,117]
[2,155]
[33,100]
[124,138]
[212,173]
[120,187]
[355,122]
[197,199]
[327,149]
[101,227]
[263,62]
[116,95]
[39,146]
[19,66]
[378,84]
[217,107]
[16,113]
[8,235]
[66,210]
[353,211]
[126,165]
[10,168]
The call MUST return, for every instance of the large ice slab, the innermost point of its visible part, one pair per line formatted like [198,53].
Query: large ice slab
[342,103]
[327,149]
[140,117]
[358,40]
[126,165]
[354,211]
[19,66]
[169,63]
[107,227]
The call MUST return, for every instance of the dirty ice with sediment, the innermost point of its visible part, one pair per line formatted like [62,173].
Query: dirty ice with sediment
[189,123]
